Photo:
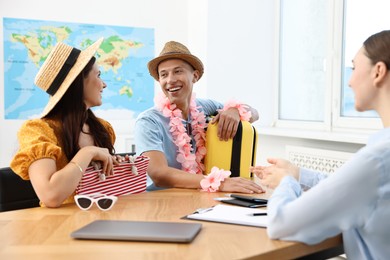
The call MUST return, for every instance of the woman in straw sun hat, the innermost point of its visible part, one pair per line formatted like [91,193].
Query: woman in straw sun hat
[55,150]
[172,133]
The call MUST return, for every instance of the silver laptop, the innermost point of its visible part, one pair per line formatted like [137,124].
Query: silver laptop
[138,231]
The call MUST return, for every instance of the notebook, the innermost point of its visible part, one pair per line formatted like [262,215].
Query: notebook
[138,231]
[232,215]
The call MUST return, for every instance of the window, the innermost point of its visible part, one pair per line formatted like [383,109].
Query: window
[302,77]
[361,19]
[317,41]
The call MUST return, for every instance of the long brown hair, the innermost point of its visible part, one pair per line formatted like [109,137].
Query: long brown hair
[72,112]
[377,47]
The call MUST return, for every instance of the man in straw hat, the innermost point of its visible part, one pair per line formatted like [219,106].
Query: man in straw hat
[172,134]
[56,149]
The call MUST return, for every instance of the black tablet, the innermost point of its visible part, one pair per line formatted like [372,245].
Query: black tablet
[245,203]
[249,198]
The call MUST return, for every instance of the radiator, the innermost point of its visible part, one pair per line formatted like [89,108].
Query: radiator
[322,160]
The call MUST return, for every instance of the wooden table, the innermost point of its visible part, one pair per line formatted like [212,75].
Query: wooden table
[42,233]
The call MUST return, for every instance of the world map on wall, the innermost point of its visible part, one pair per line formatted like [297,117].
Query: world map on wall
[122,58]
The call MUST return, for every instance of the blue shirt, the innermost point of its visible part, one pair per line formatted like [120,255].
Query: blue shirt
[152,133]
[354,201]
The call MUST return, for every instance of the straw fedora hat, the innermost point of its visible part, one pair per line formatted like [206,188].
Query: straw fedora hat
[60,69]
[175,50]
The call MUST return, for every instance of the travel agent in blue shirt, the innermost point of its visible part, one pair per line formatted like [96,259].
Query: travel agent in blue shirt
[355,200]
[172,133]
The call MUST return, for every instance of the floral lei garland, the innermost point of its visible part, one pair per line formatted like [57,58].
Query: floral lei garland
[190,162]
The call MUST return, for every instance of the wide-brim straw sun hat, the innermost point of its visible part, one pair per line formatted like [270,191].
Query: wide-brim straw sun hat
[175,50]
[60,69]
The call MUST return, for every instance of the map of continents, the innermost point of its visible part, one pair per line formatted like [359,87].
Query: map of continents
[122,58]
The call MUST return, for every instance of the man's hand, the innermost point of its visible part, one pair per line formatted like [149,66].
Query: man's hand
[228,121]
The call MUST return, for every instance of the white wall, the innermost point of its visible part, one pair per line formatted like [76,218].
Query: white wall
[241,47]
[241,64]
[169,18]
[234,38]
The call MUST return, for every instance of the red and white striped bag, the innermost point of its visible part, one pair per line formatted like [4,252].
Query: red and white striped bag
[128,178]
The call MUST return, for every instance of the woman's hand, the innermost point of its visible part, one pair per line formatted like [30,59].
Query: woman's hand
[117,158]
[271,175]
[105,159]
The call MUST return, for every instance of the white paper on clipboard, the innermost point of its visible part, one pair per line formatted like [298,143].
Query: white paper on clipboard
[232,215]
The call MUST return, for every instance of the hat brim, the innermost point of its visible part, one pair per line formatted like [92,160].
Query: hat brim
[189,58]
[82,61]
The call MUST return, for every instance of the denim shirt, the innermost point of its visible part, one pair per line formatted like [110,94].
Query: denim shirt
[354,201]
[152,133]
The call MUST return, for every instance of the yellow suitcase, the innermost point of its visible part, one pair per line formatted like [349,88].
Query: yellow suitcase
[236,154]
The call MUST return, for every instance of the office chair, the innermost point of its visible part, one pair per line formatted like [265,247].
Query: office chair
[15,193]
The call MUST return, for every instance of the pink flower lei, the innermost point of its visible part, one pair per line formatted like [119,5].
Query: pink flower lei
[190,162]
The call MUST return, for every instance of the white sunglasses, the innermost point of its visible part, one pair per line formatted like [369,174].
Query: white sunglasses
[104,202]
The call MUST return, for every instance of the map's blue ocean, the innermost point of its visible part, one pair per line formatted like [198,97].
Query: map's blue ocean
[122,58]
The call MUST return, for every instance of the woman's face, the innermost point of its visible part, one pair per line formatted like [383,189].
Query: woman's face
[362,81]
[93,87]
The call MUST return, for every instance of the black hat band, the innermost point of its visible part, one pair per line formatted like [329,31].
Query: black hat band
[70,61]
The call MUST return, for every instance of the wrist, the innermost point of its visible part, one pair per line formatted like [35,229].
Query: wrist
[87,153]
[296,172]
[245,115]
[78,166]
[212,181]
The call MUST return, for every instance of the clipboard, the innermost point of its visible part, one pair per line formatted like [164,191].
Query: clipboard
[232,215]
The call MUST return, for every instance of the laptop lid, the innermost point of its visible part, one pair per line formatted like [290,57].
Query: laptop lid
[138,231]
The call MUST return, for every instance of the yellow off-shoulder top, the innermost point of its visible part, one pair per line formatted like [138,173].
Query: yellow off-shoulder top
[40,138]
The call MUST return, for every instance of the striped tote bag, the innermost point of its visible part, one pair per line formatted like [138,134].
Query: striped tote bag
[129,178]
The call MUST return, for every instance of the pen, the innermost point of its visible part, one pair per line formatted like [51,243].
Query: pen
[259,214]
